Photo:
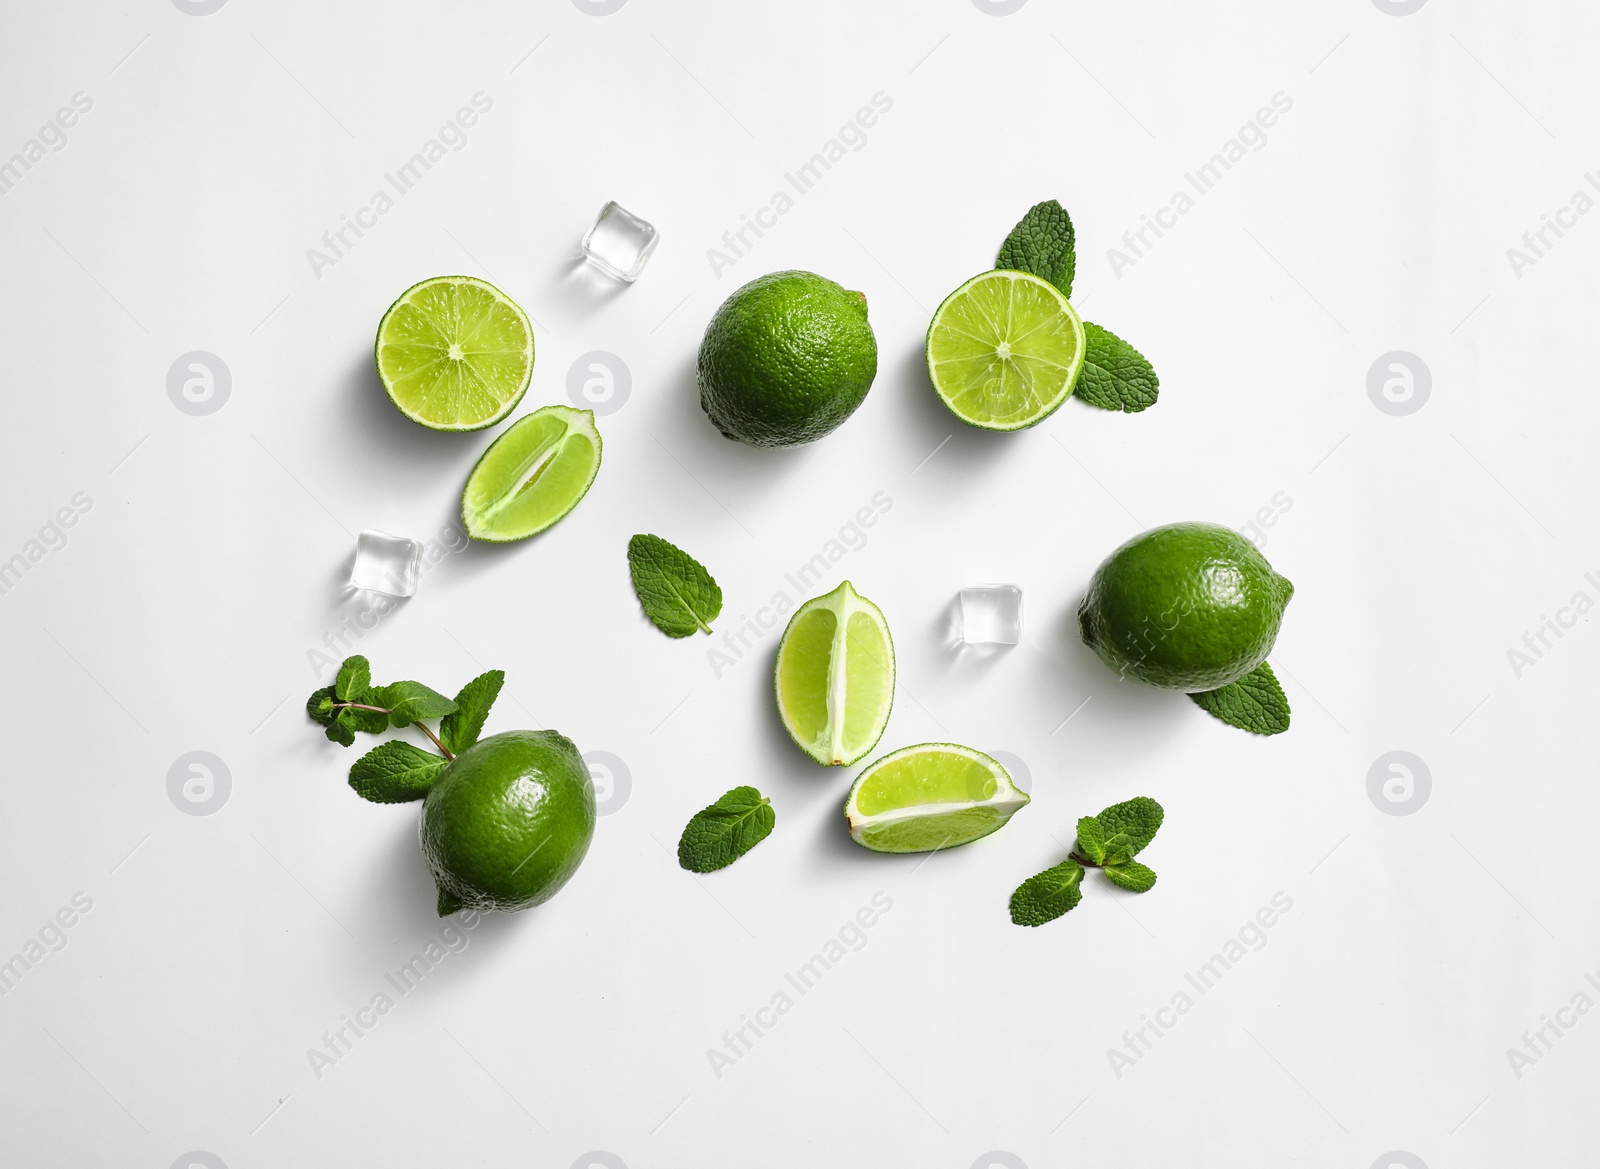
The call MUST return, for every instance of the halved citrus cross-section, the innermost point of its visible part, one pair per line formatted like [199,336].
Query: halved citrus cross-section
[455,353]
[835,676]
[1004,350]
[929,797]
[532,475]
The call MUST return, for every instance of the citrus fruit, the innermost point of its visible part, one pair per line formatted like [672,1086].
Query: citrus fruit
[835,676]
[1188,607]
[508,822]
[455,353]
[1004,350]
[532,475]
[786,359]
[928,797]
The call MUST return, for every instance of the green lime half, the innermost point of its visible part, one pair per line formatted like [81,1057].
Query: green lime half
[1004,350]
[532,475]
[835,676]
[929,797]
[455,353]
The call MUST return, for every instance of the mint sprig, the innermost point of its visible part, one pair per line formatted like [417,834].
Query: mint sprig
[720,834]
[674,589]
[1042,243]
[395,771]
[1255,703]
[1115,375]
[1107,842]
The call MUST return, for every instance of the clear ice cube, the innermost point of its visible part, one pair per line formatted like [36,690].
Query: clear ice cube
[620,242]
[386,564]
[991,615]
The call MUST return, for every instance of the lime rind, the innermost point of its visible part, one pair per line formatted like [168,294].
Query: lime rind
[856,663]
[1005,350]
[454,353]
[532,475]
[933,825]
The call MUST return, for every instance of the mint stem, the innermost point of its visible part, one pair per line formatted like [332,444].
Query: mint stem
[1083,860]
[382,710]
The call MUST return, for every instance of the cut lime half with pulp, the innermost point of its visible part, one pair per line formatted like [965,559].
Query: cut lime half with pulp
[455,353]
[1004,350]
[929,797]
[835,676]
[532,475]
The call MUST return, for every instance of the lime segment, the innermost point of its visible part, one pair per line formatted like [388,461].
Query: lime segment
[455,353]
[1004,350]
[929,797]
[532,475]
[835,676]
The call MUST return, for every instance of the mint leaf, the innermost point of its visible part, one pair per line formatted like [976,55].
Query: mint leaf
[722,833]
[1255,703]
[675,590]
[1115,375]
[1043,245]
[1129,826]
[410,701]
[1130,875]
[354,680]
[1047,895]
[341,732]
[395,773]
[320,706]
[460,729]
[1091,840]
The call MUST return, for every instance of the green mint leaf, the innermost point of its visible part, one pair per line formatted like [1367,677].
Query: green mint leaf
[1047,895]
[395,773]
[320,706]
[1091,840]
[410,701]
[341,732]
[1131,875]
[1255,703]
[459,730]
[721,834]
[675,590]
[354,680]
[1129,826]
[1115,375]
[1043,245]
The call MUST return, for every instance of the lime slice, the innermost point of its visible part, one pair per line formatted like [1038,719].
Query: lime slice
[835,676]
[531,475]
[928,797]
[1004,350]
[455,353]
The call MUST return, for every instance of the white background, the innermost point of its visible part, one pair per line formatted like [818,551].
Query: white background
[182,612]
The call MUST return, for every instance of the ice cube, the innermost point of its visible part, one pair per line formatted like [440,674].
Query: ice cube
[386,564]
[991,615]
[620,242]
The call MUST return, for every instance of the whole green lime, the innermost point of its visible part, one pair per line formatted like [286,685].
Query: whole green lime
[1186,607]
[508,822]
[786,359]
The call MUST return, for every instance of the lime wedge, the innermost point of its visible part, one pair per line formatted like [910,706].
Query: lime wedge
[1004,350]
[531,475]
[455,353]
[835,676]
[928,797]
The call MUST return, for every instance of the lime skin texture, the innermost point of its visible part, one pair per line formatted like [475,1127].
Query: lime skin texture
[1187,606]
[508,822]
[786,359]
